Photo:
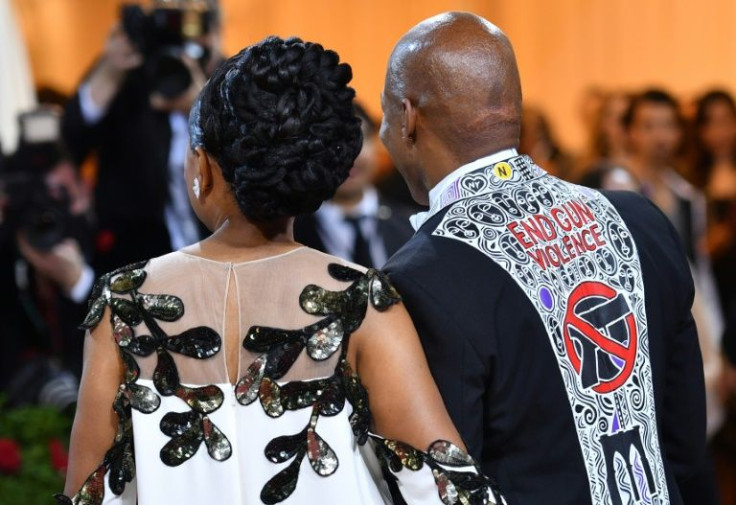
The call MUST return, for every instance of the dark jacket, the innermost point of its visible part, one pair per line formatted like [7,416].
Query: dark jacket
[393,227]
[492,359]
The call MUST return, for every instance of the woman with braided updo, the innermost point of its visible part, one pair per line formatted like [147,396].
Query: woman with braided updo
[247,368]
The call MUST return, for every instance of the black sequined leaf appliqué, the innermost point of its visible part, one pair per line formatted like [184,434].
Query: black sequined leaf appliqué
[247,388]
[128,281]
[321,456]
[200,343]
[94,316]
[163,307]
[283,484]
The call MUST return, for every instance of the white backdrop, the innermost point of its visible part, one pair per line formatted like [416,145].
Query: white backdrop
[16,83]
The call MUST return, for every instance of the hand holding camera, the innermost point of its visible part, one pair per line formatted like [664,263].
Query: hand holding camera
[120,54]
[63,264]
[171,43]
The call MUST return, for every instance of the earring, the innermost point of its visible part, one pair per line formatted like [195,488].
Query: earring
[195,187]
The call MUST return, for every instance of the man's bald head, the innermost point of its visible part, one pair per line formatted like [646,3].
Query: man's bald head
[459,71]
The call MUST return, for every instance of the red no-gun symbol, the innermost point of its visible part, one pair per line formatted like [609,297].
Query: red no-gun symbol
[600,336]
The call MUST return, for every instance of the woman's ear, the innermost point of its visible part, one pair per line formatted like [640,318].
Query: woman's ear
[205,167]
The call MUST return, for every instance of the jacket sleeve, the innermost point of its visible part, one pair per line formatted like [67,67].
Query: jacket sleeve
[80,138]
[683,419]
[456,366]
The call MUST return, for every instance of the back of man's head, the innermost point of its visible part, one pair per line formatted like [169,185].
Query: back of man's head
[460,72]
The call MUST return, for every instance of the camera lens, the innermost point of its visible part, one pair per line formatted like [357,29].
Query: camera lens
[169,75]
[43,227]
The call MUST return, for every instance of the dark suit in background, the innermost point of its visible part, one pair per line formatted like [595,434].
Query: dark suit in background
[132,143]
[392,230]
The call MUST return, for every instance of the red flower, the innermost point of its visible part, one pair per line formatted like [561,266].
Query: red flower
[10,459]
[59,455]
[105,241]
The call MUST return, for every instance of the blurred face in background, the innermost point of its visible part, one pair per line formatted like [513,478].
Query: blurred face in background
[364,169]
[611,126]
[718,133]
[654,133]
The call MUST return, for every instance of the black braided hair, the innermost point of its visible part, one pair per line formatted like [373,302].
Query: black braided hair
[278,117]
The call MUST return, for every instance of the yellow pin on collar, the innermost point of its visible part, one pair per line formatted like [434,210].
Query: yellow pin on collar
[503,170]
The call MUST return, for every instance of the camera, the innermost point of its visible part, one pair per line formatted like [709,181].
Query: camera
[166,33]
[27,204]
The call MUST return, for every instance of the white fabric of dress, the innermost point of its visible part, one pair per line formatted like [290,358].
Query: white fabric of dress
[294,426]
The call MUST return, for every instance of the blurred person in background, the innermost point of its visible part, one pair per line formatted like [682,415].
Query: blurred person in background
[654,129]
[45,230]
[608,142]
[538,140]
[131,110]
[714,170]
[358,224]
[715,173]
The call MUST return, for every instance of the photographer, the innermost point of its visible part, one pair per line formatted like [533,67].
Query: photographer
[44,272]
[131,110]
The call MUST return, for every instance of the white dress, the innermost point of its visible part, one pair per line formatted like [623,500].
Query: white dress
[293,429]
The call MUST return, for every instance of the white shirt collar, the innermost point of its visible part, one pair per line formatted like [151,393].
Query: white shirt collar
[436,192]
[367,207]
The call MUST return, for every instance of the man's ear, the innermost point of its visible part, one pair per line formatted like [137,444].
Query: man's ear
[409,125]
[205,167]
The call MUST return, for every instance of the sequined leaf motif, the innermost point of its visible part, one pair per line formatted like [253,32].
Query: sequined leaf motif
[218,446]
[332,399]
[96,310]
[142,398]
[300,394]
[344,273]
[270,395]
[464,487]
[447,453]
[321,302]
[324,342]
[282,485]
[200,342]
[350,304]
[321,456]
[281,359]
[163,307]
[92,491]
[131,367]
[186,432]
[356,394]
[383,294]
[121,466]
[408,456]
[283,448]
[143,345]
[246,390]
[445,488]
[62,499]
[204,399]
[176,424]
[264,339]
[127,311]
[165,376]
[121,332]
[128,281]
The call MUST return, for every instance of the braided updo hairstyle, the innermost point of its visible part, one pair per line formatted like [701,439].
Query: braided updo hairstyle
[278,117]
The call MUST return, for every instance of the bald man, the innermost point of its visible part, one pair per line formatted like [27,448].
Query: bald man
[556,319]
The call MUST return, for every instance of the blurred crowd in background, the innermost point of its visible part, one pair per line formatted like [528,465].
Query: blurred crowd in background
[95,183]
